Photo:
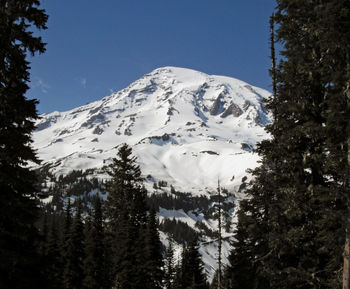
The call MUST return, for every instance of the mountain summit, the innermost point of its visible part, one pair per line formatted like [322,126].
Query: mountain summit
[186,128]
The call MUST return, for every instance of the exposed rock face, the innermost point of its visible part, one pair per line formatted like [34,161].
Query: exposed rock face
[217,106]
[246,105]
[233,109]
[247,147]
[97,130]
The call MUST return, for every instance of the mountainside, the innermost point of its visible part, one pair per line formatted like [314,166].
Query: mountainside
[186,128]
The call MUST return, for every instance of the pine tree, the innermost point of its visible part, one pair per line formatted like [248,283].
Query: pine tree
[54,266]
[219,212]
[44,233]
[169,266]
[73,274]
[177,283]
[154,259]
[312,205]
[192,268]
[109,270]
[19,239]
[247,252]
[127,215]
[333,27]
[66,228]
[250,245]
[296,200]
[94,262]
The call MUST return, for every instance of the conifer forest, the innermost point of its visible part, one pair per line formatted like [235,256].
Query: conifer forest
[293,226]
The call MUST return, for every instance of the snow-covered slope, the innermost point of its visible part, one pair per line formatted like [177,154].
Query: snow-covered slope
[187,128]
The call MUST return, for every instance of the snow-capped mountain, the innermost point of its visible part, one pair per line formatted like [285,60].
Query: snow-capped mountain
[186,128]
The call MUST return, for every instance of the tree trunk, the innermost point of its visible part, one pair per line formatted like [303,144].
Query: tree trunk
[220,240]
[346,268]
[273,55]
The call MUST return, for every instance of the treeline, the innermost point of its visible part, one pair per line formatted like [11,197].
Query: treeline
[115,245]
[179,231]
[82,185]
[194,204]
[76,184]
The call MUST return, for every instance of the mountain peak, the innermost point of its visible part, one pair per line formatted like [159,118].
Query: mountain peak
[186,127]
[186,74]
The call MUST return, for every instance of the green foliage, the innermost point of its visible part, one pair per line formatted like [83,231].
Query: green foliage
[123,188]
[189,203]
[293,218]
[77,183]
[169,266]
[66,228]
[179,231]
[178,201]
[192,268]
[128,225]
[205,231]
[94,263]
[20,262]
[153,254]
[53,257]
[242,270]
[73,273]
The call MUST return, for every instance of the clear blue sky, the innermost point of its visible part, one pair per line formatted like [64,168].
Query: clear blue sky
[95,47]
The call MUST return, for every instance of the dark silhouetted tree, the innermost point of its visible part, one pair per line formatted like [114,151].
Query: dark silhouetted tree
[192,268]
[169,266]
[73,274]
[94,262]
[296,203]
[127,219]
[153,249]
[54,266]
[19,239]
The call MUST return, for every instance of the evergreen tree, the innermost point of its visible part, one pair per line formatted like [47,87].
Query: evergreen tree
[66,228]
[154,259]
[333,27]
[312,206]
[73,274]
[54,266]
[124,184]
[19,239]
[44,233]
[192,268]
[239,273]
[296,200]
[219,234]
[177,283]
[94,261]
[127,215]
[169,266]
[247,253]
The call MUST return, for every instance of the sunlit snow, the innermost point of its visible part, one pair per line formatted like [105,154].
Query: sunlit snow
[187,128]
[177,122]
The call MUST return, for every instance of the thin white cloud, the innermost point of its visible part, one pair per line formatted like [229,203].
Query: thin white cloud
[41,84]
[83,81]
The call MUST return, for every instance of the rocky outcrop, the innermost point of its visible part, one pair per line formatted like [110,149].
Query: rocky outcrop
[233,110]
